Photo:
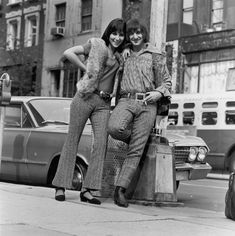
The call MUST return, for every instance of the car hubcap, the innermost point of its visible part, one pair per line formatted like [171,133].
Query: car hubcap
[77,179]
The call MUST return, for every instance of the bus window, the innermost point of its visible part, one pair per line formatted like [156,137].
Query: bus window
[174,106]
[230,117]
[172,118]
[189,105]
[209,104]
[209,118]
[188,117]
[230,104]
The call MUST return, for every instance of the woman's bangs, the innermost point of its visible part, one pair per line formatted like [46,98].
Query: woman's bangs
[118,27]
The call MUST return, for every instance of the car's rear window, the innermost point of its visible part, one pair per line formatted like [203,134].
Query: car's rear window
[50,110]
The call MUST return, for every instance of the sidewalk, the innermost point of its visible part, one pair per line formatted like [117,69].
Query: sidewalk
[27,210]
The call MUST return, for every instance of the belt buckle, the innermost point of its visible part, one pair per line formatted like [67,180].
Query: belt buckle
[105,96]
[140,96]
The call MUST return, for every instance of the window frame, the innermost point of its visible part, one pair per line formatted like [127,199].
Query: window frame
[14,2]
[187,10]
[12,44]
[209,118]
[23,117]
[188,117]
[219,22]
[60,22]
[28,32]
[85,15]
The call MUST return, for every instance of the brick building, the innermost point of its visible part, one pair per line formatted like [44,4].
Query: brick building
[21,44]
[203,36]
[36,32]
[70,23]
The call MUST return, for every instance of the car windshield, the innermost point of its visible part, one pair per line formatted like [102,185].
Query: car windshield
[50,111]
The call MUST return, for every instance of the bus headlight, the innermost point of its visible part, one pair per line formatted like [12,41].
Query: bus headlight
[192,153]
[201,153]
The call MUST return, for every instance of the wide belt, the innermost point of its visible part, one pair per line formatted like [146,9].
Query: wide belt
[136,96]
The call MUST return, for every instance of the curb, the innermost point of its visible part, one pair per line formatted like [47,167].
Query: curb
[157,204]
[218,176]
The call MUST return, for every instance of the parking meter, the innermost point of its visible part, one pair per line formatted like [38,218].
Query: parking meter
[5,98]
[5,89]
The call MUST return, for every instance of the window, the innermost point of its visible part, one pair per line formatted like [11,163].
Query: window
[217,13]
[230,104]
[188,12]
[188,117]
[210,104]
[173,118]
[86,15]
[209,118]
[13,2]
[230,117]
[55,83]
[17,117]
[214,75]
[174,106]
[70,80]
[60,15]
[230,83]
[31,30]
[13,116]
[13,33]
[191,79]
[189,105]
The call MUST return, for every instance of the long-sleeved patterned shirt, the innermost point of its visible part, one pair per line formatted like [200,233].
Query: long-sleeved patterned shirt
[145,71]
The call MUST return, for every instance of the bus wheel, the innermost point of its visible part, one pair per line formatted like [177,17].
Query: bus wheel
[232,162]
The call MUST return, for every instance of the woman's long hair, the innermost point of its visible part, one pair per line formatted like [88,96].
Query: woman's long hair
[116,25]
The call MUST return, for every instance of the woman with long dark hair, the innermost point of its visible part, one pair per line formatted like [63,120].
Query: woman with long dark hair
[91,101]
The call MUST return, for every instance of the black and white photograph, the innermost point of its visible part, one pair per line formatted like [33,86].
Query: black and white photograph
[117,117]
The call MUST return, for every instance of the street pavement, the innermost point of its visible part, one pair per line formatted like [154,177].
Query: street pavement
[31,210]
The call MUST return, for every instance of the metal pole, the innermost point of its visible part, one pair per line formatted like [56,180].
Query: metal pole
[158,24]
[2,115]
[5,98]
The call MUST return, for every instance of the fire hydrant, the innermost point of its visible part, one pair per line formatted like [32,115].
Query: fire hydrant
[5,98]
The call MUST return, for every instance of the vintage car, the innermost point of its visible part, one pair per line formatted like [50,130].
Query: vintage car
[35,129]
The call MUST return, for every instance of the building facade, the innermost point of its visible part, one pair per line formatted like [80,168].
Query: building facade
[70,23]
[201,36]
[21,44]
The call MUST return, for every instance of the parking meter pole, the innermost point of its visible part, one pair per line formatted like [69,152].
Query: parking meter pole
[2,114]
[5,98]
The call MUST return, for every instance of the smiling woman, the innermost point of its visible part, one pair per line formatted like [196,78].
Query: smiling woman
[91,101]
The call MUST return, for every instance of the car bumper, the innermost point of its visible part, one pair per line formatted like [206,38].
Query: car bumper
[189,171]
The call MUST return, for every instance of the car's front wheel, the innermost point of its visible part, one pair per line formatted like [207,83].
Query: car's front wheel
[78,176]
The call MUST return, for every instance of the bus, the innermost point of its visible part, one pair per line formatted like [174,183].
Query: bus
[213,115]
